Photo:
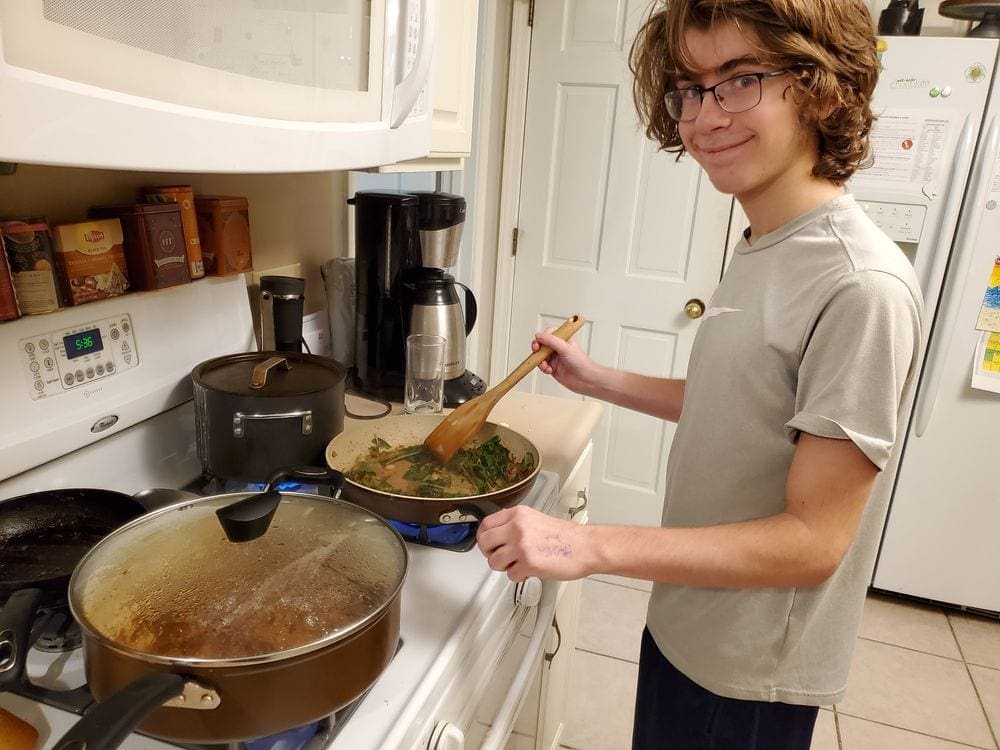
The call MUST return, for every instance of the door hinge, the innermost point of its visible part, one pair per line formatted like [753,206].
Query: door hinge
[531,13]
[513,242]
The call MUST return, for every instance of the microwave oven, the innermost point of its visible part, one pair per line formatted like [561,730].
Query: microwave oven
[216,85]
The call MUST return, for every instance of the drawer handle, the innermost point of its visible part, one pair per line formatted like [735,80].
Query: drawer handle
[549,656]
[581,495]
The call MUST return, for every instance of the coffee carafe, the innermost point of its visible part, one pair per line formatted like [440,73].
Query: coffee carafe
[432,300]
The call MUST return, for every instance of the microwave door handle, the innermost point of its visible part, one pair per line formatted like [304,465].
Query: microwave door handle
[954,285]
[503,723]
[405,93]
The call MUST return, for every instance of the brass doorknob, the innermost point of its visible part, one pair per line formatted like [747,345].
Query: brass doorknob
[694,308]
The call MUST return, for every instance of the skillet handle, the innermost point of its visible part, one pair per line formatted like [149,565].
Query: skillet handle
[15,628]
[106,725]
[318,474]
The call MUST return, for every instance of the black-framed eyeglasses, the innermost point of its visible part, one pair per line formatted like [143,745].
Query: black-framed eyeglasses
[736,94]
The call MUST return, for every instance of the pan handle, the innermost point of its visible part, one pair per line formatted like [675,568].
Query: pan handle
[465,513]
[106,725]
[321,474]
[249,518]
[15,626]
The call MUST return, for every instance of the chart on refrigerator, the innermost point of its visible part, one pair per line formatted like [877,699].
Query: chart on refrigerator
[989,315]
[986,372]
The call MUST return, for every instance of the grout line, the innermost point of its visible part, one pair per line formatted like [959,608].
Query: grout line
[914,650]
[972,680]
[607,656]
[914,731]
[619,585]
[836,726]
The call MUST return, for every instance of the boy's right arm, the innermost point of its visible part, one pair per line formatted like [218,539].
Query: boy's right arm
[572,368]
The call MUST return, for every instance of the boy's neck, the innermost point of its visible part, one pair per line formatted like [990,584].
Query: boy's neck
[783,202]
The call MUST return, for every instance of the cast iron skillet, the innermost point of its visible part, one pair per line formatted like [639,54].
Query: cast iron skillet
[43,535]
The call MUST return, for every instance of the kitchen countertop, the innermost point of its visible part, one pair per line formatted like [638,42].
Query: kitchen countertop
[559,427]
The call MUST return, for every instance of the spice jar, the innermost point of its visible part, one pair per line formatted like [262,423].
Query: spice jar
[32,264]
[154,243]
[224,228]
[8,302]
[183,196]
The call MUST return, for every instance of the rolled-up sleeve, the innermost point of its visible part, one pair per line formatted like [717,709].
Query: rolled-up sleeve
[864,342]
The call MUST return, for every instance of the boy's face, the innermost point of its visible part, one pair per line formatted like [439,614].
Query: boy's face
[756,154]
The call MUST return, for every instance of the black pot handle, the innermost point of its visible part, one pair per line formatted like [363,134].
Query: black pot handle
[106,724]
[469,509]
[317,474]
[15,628]
[249,518]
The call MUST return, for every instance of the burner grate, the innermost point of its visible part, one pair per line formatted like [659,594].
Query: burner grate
[457,537]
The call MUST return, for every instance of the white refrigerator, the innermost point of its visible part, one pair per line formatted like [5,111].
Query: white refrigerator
[935,188]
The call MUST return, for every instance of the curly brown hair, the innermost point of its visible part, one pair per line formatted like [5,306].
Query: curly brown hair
[829,45]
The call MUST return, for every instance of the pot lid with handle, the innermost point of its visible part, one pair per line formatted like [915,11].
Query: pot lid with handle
[269,374]
[171,587]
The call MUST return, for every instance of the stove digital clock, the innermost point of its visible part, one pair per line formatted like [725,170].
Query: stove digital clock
[83,342]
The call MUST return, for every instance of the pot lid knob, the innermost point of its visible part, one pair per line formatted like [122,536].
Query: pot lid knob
[249,518]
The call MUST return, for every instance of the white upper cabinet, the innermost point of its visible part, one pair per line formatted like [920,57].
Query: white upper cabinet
[453,82]
[216,85]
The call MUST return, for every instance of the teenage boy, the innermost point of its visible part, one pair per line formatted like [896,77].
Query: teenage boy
[791,417]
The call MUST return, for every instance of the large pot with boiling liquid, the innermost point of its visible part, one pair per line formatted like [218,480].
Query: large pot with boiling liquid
[192,637]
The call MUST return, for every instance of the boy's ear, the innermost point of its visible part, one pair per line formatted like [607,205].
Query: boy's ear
[826,109]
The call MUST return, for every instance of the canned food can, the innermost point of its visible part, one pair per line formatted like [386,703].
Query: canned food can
[32,264]
[183,196]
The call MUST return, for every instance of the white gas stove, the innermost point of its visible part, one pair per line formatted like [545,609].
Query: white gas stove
[470,639]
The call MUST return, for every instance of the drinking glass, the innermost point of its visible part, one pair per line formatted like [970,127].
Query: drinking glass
[424,390]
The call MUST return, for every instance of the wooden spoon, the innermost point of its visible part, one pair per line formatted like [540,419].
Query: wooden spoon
[465,421]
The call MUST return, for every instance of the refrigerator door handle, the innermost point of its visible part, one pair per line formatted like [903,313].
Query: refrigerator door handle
[934,267]
[965,239]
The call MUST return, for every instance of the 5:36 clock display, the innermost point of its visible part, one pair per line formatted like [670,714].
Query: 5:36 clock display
[83,342]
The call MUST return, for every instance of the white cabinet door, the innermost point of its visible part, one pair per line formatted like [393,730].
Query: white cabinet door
[612,228]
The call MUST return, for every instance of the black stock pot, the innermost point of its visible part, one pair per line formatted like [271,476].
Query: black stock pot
[260,412]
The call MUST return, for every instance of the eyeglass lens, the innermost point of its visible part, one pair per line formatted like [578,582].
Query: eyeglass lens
[734,95]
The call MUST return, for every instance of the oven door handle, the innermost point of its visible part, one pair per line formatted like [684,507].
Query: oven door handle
[503,723]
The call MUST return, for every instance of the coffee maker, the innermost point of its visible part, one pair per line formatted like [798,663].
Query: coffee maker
[404,245]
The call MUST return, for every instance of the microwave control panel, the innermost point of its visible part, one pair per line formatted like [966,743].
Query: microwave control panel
[63,360]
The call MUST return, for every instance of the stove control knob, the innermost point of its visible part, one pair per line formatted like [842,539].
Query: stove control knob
[528,592]
[446,736]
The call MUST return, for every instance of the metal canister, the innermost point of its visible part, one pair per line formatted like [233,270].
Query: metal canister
[32,264]
[8,302]
[183,196]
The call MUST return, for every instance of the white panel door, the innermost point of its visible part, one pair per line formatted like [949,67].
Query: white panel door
[611,228]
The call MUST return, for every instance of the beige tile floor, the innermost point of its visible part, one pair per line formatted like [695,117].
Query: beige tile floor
[922,678]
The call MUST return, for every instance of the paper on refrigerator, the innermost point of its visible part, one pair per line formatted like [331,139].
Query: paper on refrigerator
[989,315]
[986,367]
[910,147]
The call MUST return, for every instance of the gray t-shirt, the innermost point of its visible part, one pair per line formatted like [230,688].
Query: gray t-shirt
[815,328]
